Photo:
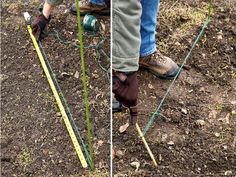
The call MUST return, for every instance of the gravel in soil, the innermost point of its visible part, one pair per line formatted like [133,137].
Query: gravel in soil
[196,134]
[34,139]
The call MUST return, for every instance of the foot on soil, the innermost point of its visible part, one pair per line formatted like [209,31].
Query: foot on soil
[88,8]
[159,65]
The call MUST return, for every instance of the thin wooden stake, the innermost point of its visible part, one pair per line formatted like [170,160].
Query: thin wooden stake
[146,145]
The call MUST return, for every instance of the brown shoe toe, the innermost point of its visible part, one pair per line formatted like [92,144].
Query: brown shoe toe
[88,8]
[159,65]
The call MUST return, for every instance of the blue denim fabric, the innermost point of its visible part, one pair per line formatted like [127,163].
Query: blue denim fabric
[97,2]
[148,26]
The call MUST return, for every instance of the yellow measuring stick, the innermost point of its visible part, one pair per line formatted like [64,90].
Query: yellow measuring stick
[57,97]
[146,145]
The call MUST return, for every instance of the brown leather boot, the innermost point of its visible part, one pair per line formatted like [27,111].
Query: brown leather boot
[88,8]
[159,65]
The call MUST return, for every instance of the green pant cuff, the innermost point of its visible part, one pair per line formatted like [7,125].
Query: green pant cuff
[125,64]
[54,2]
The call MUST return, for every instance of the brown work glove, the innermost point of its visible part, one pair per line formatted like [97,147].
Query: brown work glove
[38,26]
[125,88]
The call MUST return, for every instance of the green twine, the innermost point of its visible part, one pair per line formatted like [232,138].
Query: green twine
[84,85]
[97,47]
[156,113]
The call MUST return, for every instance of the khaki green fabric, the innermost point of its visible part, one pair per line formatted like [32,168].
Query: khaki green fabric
[54,2]
[126,34]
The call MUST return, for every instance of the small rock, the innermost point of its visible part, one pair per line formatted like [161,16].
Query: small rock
[171,143]
[150,86]
[119,154]
[187,131]
[219,37]
[100,142]
[228,173]
[3,77]
[160,157]
[234,112]
[200,122]
[212,114]
[153,97]
[65,74]
[217,134]
[184,111]
[190,91]
[164,137]
[135,165]
[177,43]
[202,89]
[226,119]
[76,75]
[233,102]
[58,114]
[203,55]
[96,76]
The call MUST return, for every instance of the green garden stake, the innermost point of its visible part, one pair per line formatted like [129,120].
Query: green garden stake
[84,85]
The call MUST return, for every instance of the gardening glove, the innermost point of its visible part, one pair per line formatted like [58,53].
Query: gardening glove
[38,26]
[133,115]
[125,88]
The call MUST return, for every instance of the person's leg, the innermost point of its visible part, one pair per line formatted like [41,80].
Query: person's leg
[125,48]
[98,2]
[126,35]
[40,22]
[151,59]
[54,2]
[148,26]
[47,9]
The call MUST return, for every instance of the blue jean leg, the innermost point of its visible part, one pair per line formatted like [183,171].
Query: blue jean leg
[97,2]
[148,26]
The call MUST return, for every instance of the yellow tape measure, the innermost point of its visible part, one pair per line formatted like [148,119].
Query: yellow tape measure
[57,97]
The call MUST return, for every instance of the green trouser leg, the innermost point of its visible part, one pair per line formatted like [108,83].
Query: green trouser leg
[126,35]
[54,2]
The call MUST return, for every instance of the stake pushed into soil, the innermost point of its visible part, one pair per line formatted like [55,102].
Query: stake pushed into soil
[84,84]
[56,95]
[146,145]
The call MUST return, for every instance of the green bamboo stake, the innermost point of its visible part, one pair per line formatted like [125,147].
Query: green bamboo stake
[210,8]
[85,85]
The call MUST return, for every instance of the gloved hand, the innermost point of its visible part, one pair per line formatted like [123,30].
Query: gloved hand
[133,115]
[125,88]
[38,26]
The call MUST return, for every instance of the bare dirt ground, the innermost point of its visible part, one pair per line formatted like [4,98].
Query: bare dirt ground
[34,139]
[196,135]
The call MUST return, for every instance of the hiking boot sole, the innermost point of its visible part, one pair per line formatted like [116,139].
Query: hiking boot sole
[103,12]
[165,77]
